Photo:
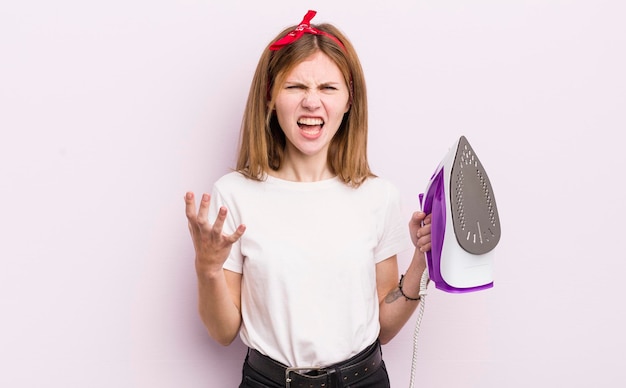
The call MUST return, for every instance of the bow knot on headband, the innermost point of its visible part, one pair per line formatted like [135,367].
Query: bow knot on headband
[303,28]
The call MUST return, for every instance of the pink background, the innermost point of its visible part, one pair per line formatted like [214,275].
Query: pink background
[110,111]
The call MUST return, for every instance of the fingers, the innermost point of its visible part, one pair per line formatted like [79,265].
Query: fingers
[416,222]
[218,224]
[423,231]
[203,210]
[423,247]
[200,221]
[421,239]
[420,228]
[201,218]
[237,235]
[190,206]
[417,218]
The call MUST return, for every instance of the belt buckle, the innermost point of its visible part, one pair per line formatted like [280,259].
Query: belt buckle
[296,369]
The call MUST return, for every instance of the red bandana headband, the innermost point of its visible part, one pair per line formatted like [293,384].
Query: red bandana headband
[303,28]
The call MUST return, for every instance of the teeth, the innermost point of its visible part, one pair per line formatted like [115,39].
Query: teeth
[310,121]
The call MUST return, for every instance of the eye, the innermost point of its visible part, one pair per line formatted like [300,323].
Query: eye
[331,87]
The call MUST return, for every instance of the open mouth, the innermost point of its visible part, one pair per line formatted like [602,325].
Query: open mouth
[310,122]
[311,127]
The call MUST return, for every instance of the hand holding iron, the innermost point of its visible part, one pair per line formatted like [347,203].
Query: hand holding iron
[419,228]
[211,245]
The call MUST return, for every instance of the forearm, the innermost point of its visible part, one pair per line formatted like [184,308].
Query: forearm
[395,308]
[218,310]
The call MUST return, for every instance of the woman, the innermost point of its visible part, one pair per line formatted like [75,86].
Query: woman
[296,249]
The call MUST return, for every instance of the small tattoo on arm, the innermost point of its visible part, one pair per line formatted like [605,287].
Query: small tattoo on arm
[393,296]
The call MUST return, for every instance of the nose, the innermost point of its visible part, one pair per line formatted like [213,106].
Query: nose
[311,100]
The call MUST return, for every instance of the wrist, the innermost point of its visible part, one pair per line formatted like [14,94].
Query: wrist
[410,284]
[419,258]
[404,294]
[208,273]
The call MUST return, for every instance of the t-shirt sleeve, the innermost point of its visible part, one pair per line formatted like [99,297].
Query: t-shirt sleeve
[395,232]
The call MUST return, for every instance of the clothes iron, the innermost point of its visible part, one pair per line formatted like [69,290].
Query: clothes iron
[465,226]
[465,229]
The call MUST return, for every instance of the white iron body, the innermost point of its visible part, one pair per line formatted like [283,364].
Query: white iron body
[465,225]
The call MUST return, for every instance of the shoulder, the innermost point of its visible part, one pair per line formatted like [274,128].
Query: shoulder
[380,192]
[234,184]
[379,185]
[234,179]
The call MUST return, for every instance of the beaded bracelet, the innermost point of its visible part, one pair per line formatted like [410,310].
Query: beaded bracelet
[402,291]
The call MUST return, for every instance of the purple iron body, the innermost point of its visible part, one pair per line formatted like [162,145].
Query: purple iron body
[465,224]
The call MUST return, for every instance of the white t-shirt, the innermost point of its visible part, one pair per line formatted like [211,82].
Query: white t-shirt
[308,260]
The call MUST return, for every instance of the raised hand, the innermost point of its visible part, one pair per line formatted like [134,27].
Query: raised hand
[212,246]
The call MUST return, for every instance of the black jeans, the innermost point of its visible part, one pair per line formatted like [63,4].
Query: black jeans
[253,379]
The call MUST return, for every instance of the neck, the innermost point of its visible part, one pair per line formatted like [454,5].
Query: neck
[304,170]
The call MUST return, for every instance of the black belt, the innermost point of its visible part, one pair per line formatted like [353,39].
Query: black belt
[348,372]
